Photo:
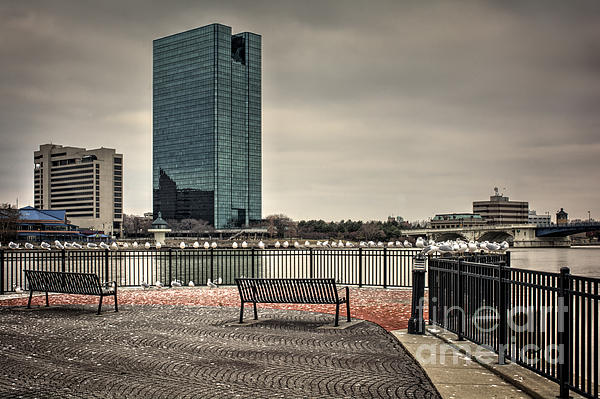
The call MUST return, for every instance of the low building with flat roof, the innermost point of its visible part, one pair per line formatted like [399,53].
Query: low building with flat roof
[456,220]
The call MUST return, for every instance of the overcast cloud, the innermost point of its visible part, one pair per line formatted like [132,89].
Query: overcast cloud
[369,108]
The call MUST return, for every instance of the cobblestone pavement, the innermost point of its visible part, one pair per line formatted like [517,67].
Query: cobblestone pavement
[162,351]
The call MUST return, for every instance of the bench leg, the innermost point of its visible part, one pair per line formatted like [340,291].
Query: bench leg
[47,304]
[100,304]
[348,304]
[337,314]
[255,313]
[29,302]
[116,305]
[242,313]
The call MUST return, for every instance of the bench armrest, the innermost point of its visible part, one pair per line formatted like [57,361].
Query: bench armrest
[343,292]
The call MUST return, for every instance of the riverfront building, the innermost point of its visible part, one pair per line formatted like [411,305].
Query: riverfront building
[499,210]
[45,225]
[88,184]
[539,220]
[207,126]
[456,220]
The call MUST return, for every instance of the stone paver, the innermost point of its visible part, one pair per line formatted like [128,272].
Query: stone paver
[162,351]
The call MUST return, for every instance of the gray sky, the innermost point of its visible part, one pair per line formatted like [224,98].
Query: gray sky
[369,108]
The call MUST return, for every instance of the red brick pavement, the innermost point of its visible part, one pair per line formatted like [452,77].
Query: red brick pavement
[390,308]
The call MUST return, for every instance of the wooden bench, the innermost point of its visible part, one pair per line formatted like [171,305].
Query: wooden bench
[69,283]
[291,290]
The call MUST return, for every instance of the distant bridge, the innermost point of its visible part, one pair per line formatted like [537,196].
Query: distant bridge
[521,235]
[566,229]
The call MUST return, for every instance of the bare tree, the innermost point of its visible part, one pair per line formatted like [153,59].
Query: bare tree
[8,222]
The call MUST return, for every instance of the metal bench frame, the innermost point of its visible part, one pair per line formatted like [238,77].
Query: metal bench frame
[292,290]
[69,283]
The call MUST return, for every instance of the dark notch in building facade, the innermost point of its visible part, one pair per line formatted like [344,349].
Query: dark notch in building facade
[207,126]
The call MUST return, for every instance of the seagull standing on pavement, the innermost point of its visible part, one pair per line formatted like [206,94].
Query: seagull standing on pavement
[210,284]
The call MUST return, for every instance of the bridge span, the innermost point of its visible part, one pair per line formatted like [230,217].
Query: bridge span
[520,235]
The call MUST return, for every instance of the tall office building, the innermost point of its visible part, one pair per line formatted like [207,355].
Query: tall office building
[207,126]
[499,210]
[88,184]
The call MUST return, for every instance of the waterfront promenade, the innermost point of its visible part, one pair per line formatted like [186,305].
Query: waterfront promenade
[165,344]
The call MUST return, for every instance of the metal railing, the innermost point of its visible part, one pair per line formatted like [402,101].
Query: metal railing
[356,266]
[546,322]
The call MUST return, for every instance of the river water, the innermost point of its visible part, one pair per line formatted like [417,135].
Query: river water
[583,261]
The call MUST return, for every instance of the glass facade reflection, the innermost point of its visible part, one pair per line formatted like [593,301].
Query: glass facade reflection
[207,126]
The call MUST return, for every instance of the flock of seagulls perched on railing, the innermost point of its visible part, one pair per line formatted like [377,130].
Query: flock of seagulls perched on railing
[427,247]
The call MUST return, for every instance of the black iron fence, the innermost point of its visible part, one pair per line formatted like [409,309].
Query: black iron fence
[363,267]
[546,322]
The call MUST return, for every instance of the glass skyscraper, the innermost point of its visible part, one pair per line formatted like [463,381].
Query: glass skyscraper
[207,126]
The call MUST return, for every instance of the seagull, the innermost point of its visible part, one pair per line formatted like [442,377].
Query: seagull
[420,243]
[399,244]
[114,245]
[277,244]
[371,243]
[191,284]
[306,244]
[45,245]
[340,243]
[182,245]
[196,244]
[244,244]
[296,244]
[213,245]
[444,248]
[158,284]
[504,246]
[158,245]
[28,245]
[103,245]
[379,244]
[147,245]
[471,246]
[318,243]
[362,244]
[407,244]
[286,244]
[210,284]
[493,247]
[176,283]
[219,281]
[58,245]
[206,245]
[390,244]
[145,285]
[91,245]
[431,242]
[234,245]
[333,244]
[125,245]
[135,244]
[68,245]
[18,290]
[261,245]
[349,244]
[76,245]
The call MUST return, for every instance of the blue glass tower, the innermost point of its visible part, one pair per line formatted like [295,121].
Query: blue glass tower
[207,126]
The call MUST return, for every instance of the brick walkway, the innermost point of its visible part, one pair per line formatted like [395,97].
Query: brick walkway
[390,308]
[162,351]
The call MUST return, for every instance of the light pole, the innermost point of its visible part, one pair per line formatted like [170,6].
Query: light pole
[589,217]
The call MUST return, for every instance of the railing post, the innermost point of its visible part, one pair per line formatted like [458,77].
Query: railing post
[458,299]
[212,264]
[564,332]
[360,268]
[384,267]
[507,258]
[253,263]
[106,260]
[63,260]
[170,266]
[310,263]
[502,311]
[1,272]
